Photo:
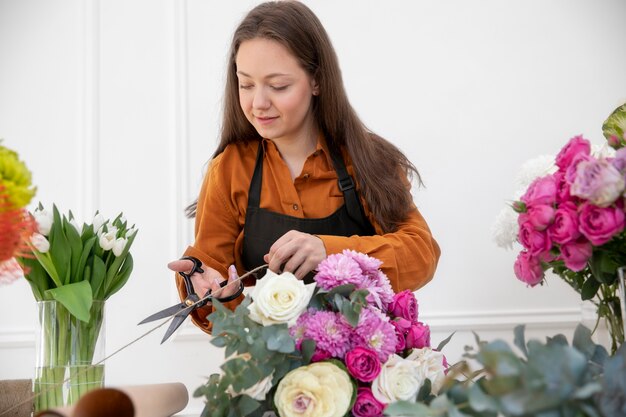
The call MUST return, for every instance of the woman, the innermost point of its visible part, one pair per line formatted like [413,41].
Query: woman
[297,176]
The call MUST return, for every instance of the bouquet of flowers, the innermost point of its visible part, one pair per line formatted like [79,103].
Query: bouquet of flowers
[16,224]
[345,344]
[571,220]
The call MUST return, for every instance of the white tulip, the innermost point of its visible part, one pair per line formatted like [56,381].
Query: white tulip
[40,242]
[98,221]
[107,240]
[130,232]
[279,299]
[77,226]
[118,246]
[44,219]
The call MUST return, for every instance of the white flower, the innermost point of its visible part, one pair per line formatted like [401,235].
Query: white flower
[77,226]
[44,219]
[531,170]
[504,229]
[40,242]
[107,240]
[98,221]
[431,362]
[258,391]
[399,380]
[320,389]
[279,299]
[130,232]
[119,245]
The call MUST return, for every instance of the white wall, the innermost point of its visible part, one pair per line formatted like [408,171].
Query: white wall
[115,105]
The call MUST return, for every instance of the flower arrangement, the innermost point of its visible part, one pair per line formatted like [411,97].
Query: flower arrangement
[571,220]
[345,344]
[72,270]
[16,225]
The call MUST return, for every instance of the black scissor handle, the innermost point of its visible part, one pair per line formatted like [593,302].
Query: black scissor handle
[197,267]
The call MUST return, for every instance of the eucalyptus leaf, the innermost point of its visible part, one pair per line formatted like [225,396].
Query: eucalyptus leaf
[76,297]
[590,288]
[409,409]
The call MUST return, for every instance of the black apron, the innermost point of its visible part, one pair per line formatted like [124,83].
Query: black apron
[264,227]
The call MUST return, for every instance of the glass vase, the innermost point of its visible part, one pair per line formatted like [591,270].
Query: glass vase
[67,350]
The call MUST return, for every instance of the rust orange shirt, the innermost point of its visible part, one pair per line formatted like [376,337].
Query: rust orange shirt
[409,255]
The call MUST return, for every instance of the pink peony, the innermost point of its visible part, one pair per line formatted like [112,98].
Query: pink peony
[565,226]
[366,405]
[576,254]
[576,145]
[541,191]
[528,269]
[540,216]
[404,305]
[418,336]
[534,241]
[363,364]
[598,181]
[598,224]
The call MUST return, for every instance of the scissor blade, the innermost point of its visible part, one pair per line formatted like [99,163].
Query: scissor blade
[168,312]
[176,322]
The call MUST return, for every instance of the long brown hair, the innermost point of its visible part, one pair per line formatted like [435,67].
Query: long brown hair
[380,167]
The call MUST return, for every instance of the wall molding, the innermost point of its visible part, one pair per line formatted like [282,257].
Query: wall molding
[20,337]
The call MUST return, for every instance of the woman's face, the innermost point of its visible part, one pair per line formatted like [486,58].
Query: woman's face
[275,93]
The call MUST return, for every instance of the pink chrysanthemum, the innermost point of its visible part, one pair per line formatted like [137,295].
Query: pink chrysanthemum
[380,291]
[336,270]
[330,331]
[375,332]
[367,264]
[297,330]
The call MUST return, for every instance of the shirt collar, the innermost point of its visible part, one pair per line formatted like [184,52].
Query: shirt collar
[321,147]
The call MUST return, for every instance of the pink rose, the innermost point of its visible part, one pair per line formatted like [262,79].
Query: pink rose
[363,364]
[619,162]
[576,254]
[401,341]
[535,241]
[418,336]
[320,355]
[598,224]
[565,226]
[598,181]
[404,305]
[576,145]
[562,188]
[366,405]
[540,216]
[540,191]
[571,172]
[528,269]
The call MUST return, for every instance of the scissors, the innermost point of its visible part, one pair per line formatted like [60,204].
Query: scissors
[181,310]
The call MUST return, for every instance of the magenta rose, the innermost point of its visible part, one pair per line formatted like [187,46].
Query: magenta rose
[576,254]
[528,268]
[418,336]
[401,340]
[363,364]
[565,226]
[366,405]
[320,355]
[562,188]
[598,181]
[540,216]
[576,145]
[598,224]
[535,241]
[404,305]
[541,191]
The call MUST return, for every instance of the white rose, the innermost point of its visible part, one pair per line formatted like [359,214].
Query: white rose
[279,299]
[44,219]
[399,379]
[40,242]
[431,362]
[320,389]
[258,391]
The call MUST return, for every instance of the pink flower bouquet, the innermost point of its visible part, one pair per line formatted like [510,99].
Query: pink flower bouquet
[343,345]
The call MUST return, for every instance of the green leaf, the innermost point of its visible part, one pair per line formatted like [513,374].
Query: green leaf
[308,349]
[76,247]
[409,409]
[98,272]
[520,339]
[245,405]
[590,288]
[444,342]
[60,251]
[45,261]
[349,311]
[86,251]
[122,277]
[480,401]
[76,297]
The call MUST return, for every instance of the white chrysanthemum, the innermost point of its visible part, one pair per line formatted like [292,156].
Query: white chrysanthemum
[533,169]
[504,229]
[602,151]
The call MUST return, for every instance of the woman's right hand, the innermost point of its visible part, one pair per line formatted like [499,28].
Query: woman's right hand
[210,279]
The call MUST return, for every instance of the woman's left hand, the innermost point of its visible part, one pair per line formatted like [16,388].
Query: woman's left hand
[297,252]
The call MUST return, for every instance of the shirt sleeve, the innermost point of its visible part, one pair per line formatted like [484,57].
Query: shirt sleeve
[216,230]
[409,255]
